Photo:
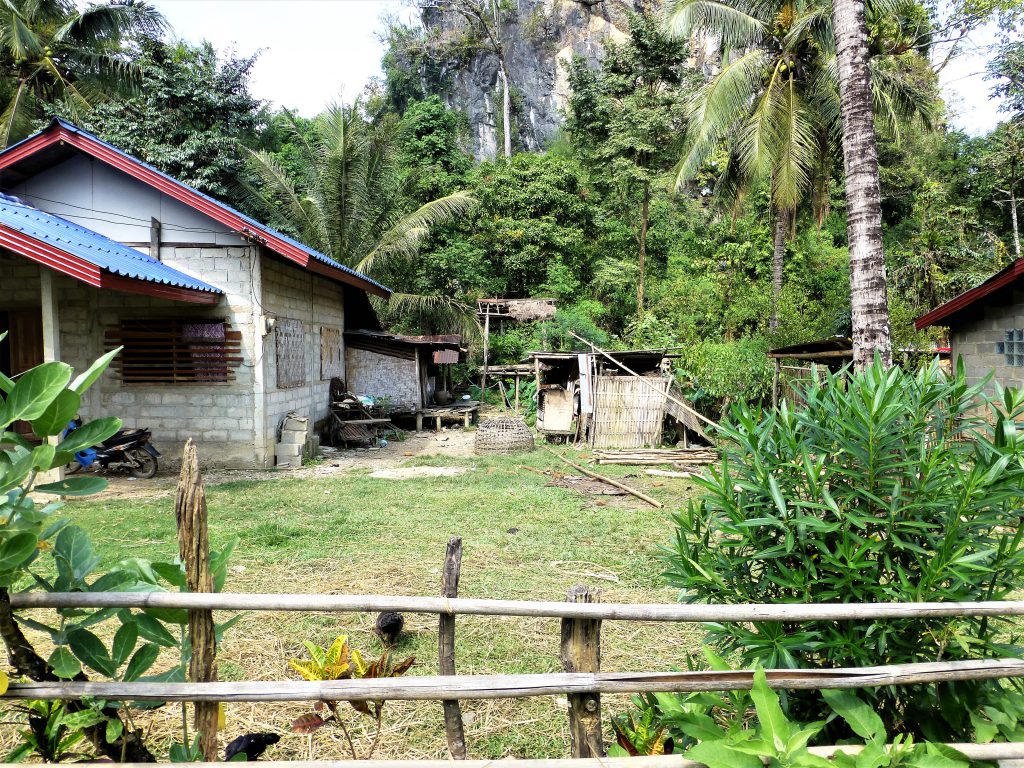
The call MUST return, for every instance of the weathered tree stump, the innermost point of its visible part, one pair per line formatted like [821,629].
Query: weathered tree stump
[581,652]
[194,548]
[453,727]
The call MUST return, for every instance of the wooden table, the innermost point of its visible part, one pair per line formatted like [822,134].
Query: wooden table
[467,414]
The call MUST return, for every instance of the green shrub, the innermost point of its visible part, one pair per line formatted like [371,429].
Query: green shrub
[889,486]
[719,374]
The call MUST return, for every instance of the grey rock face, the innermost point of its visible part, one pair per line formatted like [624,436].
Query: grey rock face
[539,39]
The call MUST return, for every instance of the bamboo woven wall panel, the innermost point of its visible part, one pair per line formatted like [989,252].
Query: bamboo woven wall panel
[291,353]
[628,412]
[332,362]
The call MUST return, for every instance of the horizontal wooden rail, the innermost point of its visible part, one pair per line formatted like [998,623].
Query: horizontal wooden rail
[520,686]
[977,752]
[790,612]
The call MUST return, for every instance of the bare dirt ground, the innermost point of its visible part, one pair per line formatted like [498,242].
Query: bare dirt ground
[449,442]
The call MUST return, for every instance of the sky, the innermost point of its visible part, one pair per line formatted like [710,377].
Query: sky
[314,51]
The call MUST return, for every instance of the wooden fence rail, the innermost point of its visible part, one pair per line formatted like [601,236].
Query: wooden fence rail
[440,687]
[789,612]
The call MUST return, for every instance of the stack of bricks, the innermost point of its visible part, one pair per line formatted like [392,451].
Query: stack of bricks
[294,434]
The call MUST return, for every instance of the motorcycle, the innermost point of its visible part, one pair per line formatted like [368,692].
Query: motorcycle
[129,450]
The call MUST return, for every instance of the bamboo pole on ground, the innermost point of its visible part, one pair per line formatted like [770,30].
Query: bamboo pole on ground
[194,548]
[581,652]
[453,726]
[602,478]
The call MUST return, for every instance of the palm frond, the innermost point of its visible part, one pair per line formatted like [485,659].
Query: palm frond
[729,22]
[14,121]
[100,24]
[286,204]
[716,108]
[437,314]
[404,238]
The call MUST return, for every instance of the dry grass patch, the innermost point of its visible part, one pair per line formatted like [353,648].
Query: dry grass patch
[352,533]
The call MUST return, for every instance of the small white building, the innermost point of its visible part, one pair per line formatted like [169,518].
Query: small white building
[227,325]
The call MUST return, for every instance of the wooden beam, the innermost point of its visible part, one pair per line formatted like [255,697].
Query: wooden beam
[581,652]
[438,688]
[698,613]
[453,726]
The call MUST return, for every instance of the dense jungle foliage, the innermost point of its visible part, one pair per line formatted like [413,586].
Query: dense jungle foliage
[650,219]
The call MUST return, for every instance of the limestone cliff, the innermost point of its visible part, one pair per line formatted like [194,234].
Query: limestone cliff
[538,39]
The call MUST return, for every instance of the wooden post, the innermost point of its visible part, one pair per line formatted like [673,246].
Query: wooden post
[775,384]
[581,652]
[487,341]
[194,548]
[446,649]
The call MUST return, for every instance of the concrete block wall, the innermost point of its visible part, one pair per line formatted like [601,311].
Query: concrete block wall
[220,417]
[291,292]
[976,341]
[377,375]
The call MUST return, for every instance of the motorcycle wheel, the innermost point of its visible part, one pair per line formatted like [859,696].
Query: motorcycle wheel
[147,464]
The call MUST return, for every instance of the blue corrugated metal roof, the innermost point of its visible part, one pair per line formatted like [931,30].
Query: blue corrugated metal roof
[323,258]
[91,246]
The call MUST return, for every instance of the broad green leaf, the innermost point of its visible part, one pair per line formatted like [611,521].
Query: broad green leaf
[152,630]
[34,391]
[63,663]
[774,725]
[124,643]
[114,729]
[55,418]
[42,456]
[74,548]
[89,434]
[74,486]
[140,663]
[16,550]
[716,754]
[85,379]
[91,651]
[861,718]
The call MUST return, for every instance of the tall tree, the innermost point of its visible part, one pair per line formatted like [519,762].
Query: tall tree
[624,119]
[350,202]
[869,304]
[483,18]
[190,118]
[775,105]
[52,52]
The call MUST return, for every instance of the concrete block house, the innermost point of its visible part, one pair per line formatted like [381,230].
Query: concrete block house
[986,327]
[227,325]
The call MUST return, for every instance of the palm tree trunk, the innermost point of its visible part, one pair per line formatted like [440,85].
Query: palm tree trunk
[868,300]
[645,215]
[778,260]
[1013,220]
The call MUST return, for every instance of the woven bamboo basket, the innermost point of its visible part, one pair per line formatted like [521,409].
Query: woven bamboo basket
[503,434]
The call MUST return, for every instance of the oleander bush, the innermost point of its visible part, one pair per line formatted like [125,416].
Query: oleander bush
[882,485]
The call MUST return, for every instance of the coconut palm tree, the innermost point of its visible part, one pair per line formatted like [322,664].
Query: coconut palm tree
[350,204]
[775,104]
[869,306]
[53,52]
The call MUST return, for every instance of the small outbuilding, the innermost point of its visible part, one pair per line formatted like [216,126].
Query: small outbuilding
[986,327]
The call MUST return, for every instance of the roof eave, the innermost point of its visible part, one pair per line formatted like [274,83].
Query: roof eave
[59,131]
[999,280]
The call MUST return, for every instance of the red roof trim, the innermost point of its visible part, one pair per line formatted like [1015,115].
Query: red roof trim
[181,193]
[157,290]
[999,280]
[90,274]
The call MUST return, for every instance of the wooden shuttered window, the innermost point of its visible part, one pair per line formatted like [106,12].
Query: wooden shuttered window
[175,351]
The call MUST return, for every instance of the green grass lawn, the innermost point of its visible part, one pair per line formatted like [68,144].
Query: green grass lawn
[351,533]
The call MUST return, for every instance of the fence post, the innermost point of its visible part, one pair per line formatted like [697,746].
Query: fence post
[581,652]
[453,727]
[194,548]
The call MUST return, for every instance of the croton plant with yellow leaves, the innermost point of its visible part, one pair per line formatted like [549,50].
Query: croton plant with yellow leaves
[339,661]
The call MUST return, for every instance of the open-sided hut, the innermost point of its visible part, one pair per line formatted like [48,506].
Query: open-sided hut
[615,400]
